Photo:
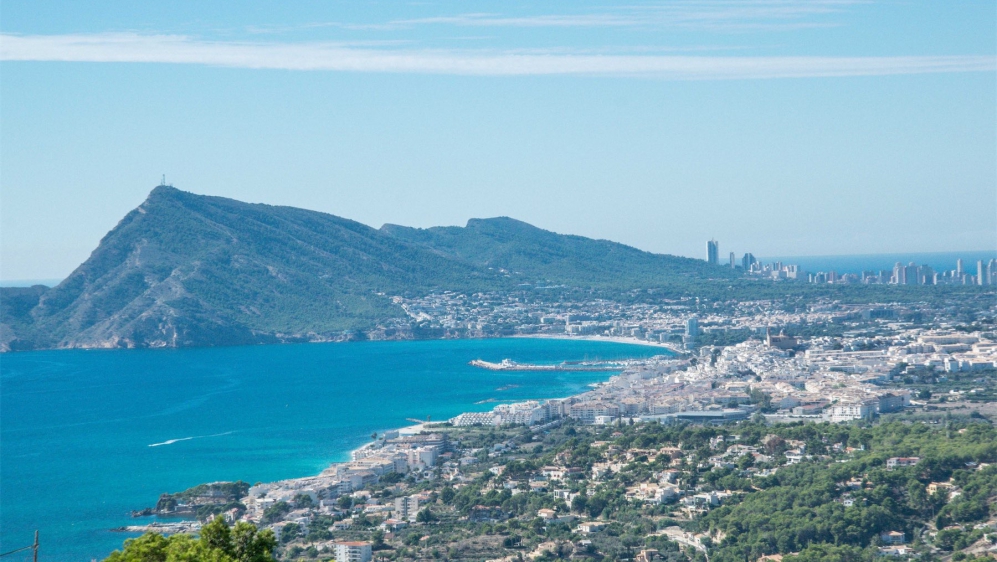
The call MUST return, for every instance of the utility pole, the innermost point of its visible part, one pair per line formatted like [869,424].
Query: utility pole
[33,547]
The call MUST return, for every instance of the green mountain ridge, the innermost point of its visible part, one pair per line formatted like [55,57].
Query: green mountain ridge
[193,270]
[522,249]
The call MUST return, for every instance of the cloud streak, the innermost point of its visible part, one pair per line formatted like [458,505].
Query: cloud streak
[713,15]
[340,57]
[682,14]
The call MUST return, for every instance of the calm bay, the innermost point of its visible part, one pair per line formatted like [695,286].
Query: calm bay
[88,435]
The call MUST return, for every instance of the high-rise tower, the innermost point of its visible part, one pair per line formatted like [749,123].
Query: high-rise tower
[692,327]
[713,252]
[747,261]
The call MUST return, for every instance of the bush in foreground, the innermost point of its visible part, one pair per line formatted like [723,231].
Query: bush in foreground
[217,543]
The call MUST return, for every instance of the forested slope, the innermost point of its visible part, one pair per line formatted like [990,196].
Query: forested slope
[186,270]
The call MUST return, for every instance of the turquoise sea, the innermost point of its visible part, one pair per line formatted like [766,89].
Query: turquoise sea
[87,436]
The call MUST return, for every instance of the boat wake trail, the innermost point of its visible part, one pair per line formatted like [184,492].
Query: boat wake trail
[172,441]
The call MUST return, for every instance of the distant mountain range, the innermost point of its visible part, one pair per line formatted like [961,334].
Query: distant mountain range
[193,270]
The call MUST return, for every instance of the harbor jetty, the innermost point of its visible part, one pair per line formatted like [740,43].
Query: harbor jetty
[164,528]
[510,365]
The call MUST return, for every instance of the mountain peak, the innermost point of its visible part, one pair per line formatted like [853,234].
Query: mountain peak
[504,226]
[164,191]
[185,269]
[498,221]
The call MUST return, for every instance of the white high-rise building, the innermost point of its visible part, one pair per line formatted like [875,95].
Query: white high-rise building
[911,276]
[692,327]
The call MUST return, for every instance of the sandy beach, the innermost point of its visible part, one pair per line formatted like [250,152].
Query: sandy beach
[615,339]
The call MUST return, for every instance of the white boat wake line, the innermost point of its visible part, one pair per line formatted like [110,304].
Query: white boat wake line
[172,441]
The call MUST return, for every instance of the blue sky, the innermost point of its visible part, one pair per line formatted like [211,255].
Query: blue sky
[779,127]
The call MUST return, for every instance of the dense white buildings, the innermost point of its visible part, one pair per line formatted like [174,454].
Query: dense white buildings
[834,379]
[526,413]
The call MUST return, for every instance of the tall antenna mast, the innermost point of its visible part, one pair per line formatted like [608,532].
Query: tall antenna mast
[164,181]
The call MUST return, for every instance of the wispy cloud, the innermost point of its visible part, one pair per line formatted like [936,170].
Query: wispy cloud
[744,15]
[174,49]
[709,15]
[717,15]
[496,20]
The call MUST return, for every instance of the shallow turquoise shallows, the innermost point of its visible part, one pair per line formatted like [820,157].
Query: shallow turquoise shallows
[87,436]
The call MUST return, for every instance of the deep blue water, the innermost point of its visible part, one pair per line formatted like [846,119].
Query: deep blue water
[939,261]
[77,428]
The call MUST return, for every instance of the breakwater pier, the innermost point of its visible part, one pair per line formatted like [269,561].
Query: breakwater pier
[510,365]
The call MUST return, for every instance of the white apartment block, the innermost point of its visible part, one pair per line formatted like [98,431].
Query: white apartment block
[849,412]
[353,552]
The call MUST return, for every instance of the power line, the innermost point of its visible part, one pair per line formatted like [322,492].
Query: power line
[31,546]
